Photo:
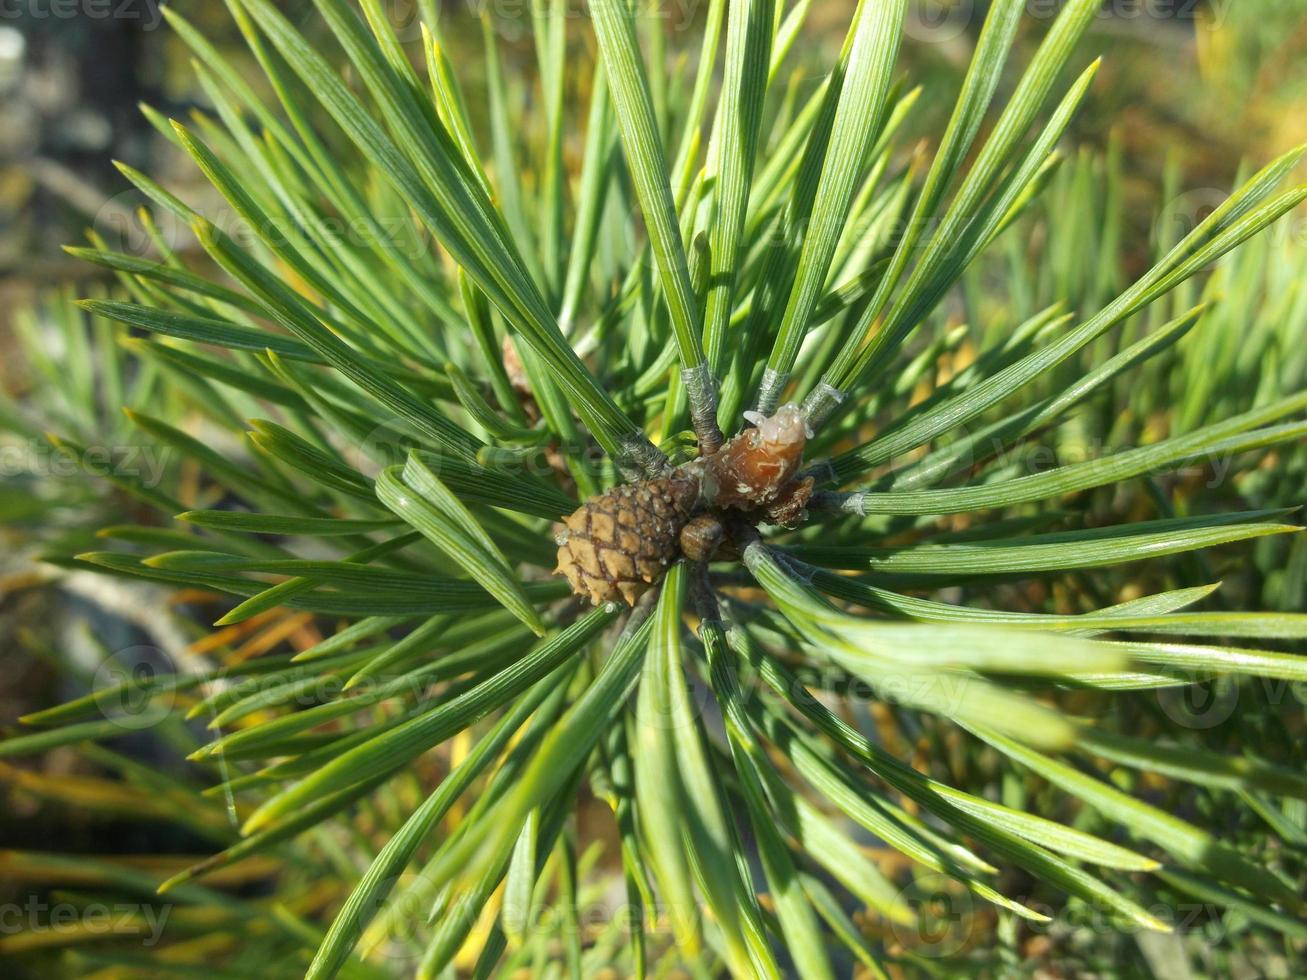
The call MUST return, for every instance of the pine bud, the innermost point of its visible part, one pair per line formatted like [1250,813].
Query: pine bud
[751,470]
[619,544]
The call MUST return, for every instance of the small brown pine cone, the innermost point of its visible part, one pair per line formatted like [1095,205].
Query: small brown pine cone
[618,545]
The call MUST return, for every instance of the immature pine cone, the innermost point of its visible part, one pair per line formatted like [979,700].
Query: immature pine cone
[619,544]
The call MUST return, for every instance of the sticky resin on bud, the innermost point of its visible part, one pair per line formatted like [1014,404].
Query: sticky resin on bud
[751,470]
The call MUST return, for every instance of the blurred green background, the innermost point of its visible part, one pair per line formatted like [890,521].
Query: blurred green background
[1212,81]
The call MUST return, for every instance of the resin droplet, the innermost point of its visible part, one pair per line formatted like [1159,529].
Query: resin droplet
[752,469]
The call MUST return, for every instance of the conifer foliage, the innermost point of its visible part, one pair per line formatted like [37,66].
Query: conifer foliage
[628,455]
